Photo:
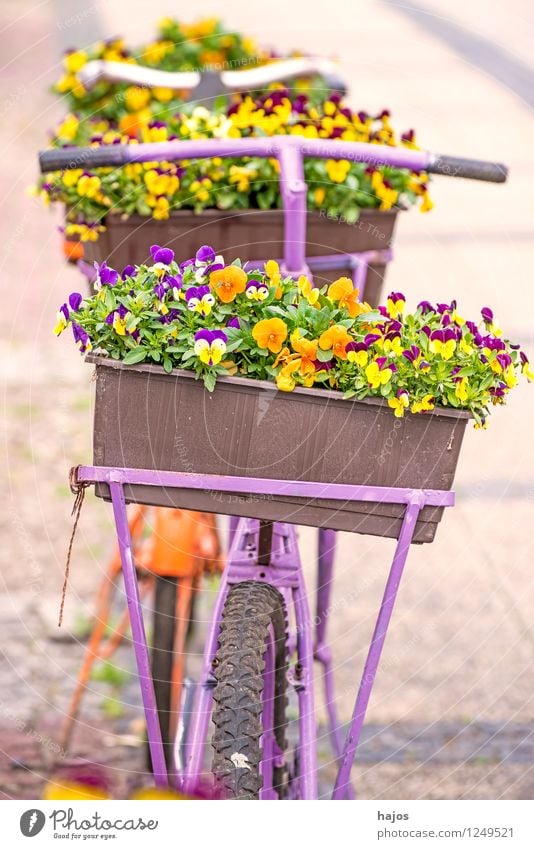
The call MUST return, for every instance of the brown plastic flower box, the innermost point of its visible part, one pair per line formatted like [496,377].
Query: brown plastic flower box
[249,234]
[146,418]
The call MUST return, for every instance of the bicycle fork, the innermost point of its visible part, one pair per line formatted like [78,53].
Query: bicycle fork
[267,553]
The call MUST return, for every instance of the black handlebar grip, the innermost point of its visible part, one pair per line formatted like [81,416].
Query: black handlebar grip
[471,169]
[67,158]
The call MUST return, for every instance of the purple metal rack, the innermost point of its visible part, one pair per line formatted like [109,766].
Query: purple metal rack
[285,572]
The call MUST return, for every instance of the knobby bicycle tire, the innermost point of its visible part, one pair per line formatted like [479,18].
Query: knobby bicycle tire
[253,613]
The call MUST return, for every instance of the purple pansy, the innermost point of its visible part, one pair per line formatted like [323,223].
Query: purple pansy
[504,360]
[233,322]
[383,362]
[185,264]
[370,339]
[425,306]
[75,300]
[487,314]
[159,290]
[205,255]
[163,255]
[128,271]
[411,354]
[105,276]
[81,337]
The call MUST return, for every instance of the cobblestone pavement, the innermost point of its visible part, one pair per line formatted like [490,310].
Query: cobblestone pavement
[451,714]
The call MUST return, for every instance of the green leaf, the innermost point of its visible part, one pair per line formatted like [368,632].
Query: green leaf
[210,380]
[167,364]
[368,317]
[135,355]
[324,356]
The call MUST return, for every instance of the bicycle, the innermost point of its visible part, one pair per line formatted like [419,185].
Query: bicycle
[249,652]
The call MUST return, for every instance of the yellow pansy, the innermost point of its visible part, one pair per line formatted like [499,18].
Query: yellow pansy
[424,405]
[400,403]
[74,60]
[306,290]
[337,170]
[378,373]
[136,98]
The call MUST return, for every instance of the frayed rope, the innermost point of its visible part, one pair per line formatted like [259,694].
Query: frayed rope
[78,489]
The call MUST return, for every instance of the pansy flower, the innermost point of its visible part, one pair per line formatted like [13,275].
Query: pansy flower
[309,292]
[285,379]
[228,282]
[379,372]
[105,276]
[424,405]
[443,342]
[256,290]
[270,333]
[161,255]
[272,270]
[395,304]
[81,338]
[343,293]
[199,299]
[400,403]
[425,307]
[210,345]
[118,318]
[357,353]
[336,338]
[307,349]
[174,282]
[371,338]
[128,271]
[206,261]
[525,366]
[63,317]
[412,354]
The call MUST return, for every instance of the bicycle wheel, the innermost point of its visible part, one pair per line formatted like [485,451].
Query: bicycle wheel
[250,669]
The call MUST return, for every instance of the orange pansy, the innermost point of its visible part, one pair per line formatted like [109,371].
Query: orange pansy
[228,282]
[343,292]
[307,348]
[336,338]
[270,333]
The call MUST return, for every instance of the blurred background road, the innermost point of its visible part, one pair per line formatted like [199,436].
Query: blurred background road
[452,712]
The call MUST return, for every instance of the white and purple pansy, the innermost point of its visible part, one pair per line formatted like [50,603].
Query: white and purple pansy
[257,290]
[210,345]
[206,261]
[199,299]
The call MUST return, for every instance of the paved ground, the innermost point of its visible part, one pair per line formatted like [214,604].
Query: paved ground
[451,716]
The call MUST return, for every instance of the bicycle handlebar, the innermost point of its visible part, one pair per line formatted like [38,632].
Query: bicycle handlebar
[246,79]
[472,169]
[276,146]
